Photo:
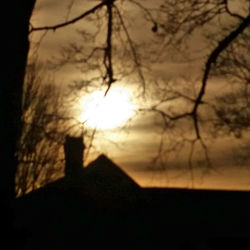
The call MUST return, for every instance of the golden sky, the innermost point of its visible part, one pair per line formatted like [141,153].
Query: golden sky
[134,146]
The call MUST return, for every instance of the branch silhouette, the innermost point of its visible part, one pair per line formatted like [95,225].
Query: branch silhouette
[72,21]
[223,44]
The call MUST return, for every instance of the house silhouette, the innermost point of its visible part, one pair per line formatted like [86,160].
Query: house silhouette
[102,206]
[96,203]
[102,180]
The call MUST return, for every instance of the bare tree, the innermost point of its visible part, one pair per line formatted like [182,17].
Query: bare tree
[45,126]
[225,55]
[39,146]
[111,51]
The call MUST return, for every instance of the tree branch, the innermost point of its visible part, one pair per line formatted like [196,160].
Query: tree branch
[223,44]
[108,51]
[61,25]
[231,13]
[133,50]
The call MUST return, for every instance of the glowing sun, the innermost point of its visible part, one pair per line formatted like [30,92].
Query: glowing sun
[107,112]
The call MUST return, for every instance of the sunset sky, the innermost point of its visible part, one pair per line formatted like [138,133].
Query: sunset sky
[132,137]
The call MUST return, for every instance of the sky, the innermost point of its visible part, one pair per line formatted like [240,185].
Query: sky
[134,145]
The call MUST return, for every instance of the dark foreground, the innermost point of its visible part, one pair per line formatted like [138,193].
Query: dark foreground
[73,218]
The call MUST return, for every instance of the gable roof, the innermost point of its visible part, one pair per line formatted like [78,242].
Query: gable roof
[109,184]
[104,170]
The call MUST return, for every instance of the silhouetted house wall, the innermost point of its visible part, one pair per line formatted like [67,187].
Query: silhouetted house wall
[73,150]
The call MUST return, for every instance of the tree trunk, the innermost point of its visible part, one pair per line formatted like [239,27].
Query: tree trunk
[16,48]
[14,34]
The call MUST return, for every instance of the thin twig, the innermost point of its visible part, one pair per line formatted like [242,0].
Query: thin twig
[72,21]
[133,50]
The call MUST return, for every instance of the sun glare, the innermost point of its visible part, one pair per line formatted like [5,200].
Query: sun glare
[107,112]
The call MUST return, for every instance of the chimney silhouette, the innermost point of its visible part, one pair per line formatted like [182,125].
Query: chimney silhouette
[73,151]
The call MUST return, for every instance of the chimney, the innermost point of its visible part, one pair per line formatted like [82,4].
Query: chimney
[73,151]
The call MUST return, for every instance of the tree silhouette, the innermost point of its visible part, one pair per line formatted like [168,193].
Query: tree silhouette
[172,24]
[225,55]
[16,48]
[14,57]
[42,132]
